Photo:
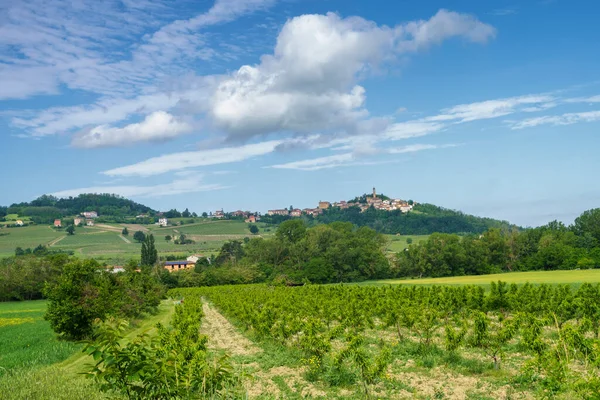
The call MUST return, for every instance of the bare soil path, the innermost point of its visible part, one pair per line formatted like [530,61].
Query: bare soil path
[222,335]
[53,242]
[125,239]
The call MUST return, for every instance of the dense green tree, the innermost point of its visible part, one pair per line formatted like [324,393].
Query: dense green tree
[231,252]
[125,231]
[292,230]
[168,238]
[204,214]
[588,222]
[71,229]
[253,229]
[139,236]
[149,253]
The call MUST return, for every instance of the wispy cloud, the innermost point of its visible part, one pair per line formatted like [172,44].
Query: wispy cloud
[354,159]
[564,119]
[176,187]
[502,12]
[193,159]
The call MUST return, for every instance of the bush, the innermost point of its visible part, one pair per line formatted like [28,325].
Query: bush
[85,291]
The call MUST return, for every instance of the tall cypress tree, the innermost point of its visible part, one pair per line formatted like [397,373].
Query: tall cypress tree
[149,253]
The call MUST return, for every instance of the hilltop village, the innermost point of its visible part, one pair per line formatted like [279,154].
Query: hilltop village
[364,203]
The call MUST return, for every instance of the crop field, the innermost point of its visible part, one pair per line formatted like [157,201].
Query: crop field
[399,243]
[26,339]
[408,342]
[212,228]
[104,241]
[572,277]
[25,237]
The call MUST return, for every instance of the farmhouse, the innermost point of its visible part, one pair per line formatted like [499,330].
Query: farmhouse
[57,223]
[251,219]
[163,222]
[179,265]
[90,214]
[19,223]
[296,212]
[89,222]
[77,221]
[219,214]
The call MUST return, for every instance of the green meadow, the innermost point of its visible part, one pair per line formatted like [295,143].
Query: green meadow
[572,277]
[398,243]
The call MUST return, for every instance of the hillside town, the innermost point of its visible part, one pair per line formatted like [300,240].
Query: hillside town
[378,203]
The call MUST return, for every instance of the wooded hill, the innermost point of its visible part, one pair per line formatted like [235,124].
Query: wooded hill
[46,208]
[424,219]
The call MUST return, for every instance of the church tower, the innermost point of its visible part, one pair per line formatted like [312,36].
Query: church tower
[374,193]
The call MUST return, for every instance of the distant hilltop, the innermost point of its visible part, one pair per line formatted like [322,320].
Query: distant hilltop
[364,202]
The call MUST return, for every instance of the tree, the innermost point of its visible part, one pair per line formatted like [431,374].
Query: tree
[253,229]
[292,230]
[149,253]
[186,213]
[125,231]
[409,240]
[168,238]
[71,229]
[204,214]
[588,222]
[139,236]
[19,252]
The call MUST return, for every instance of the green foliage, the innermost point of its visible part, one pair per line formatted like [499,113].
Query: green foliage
[253,229]
[173,364]
[425,219]
[23,277]
[149,254]
[139,236]
[71,229]
[550,247]
[125,231]
[85,292]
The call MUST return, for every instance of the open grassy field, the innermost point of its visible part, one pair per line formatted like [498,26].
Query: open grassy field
[27,340]
[398,243]
[573,277]
[35,365]
[105,242]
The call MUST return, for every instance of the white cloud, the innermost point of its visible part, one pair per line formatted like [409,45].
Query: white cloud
[353,159]
[338,160]
[156,127]
[491,108]
[591,99]
[178,186]
[564,119]
[102,46]
[310,81]
[193,159]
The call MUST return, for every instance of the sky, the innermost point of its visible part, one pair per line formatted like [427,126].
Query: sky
[488,107]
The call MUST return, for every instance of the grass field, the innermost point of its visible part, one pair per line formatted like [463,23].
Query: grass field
[398,243]
[104,241]
[34,364]
[29,236]
[27,340]
[572,277]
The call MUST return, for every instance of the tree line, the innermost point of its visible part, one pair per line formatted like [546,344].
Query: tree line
[549,247]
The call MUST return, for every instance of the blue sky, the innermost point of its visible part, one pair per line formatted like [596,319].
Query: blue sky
[489,107]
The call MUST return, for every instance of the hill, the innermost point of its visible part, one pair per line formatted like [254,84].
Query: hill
[45,209]
[424,219]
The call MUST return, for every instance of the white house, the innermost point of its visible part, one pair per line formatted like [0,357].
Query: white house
[163,222]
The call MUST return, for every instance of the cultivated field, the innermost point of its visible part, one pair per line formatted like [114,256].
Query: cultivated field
[105,242]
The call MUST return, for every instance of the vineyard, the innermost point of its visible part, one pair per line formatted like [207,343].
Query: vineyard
[512,341]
